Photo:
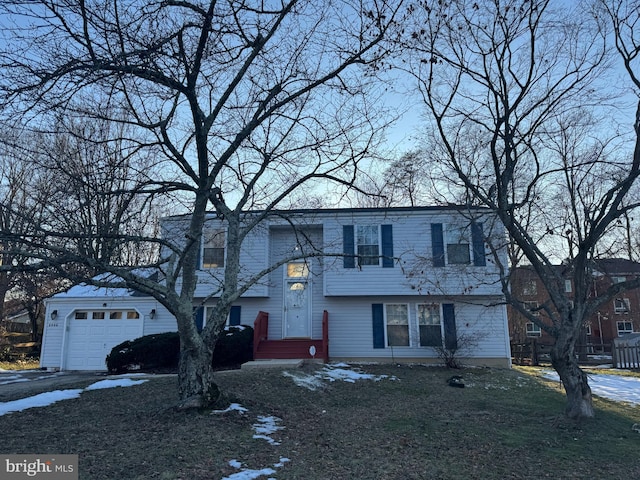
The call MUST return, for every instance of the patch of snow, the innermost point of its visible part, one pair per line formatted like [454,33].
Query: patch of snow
[310,382]
[613,387]
[122,382]
[14,379]
[232,407]
[282,461]
[267,426]
[40,400]
[332,373]
[250,474]
[49,398]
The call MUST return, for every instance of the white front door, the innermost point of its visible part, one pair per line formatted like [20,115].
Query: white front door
[296,309]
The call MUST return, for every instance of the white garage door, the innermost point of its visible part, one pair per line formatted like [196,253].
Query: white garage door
[92,335]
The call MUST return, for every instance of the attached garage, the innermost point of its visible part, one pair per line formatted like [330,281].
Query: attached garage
[92,334]
[83,324]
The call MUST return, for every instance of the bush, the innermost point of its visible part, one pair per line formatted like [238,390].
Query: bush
[234,347]
[160,350]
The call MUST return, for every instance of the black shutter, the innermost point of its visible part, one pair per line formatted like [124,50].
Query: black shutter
[199,253]
[437,244]
[387,246]
[449,320]
[477,239]
[198,317]
[349,259]
[234,315]
[377,315]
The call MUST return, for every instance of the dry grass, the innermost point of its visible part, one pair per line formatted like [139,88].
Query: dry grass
[504,424]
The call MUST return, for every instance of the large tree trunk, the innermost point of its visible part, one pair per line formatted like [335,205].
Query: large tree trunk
[196,385]
[574,380]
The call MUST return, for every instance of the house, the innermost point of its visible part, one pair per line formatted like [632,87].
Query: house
[364,284]
[614,319]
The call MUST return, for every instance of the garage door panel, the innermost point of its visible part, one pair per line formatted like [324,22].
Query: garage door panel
[90,341]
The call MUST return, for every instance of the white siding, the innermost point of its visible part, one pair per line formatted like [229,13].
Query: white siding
[413,272]
[480,329]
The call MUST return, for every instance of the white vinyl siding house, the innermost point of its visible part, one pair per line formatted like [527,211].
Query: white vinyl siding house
[395,283]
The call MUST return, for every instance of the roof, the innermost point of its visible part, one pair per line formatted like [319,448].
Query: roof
[302,211]
[617,266]
[84,290]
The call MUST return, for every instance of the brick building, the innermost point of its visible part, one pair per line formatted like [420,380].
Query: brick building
[615,318]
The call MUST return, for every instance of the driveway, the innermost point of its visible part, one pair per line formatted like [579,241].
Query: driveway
[15,384]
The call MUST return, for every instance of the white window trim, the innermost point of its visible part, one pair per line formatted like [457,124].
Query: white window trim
[622,310]
[536,331]
[355,244]
[568,287]
[624,331]
[417,325]
[447,228]
[410,330]
[224,248]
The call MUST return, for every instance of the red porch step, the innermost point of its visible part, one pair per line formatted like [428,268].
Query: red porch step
[290,348]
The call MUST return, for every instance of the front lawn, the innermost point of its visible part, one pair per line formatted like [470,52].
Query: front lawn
[409,425]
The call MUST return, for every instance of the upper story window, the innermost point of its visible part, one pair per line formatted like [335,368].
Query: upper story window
[567,286]
[297,270]
[213,249]
[458,247]
[533,308]
[530,287]
[533,330]
[368,245]
[621,305]
[458,244]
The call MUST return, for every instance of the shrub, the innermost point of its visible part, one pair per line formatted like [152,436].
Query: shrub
[151,351]
[162,350]
[234,347]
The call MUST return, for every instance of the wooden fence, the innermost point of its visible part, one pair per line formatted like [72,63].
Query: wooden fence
[626,356]
[533,353]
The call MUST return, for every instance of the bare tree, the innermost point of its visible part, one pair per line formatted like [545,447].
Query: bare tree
[247,101]
[504,81]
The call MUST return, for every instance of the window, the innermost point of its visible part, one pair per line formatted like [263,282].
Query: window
[297,270]
[115,315]
[618,279]
[587,329]
[624,328]
[530,287]
[397,322]
[429,325]
[81,315]
[367,245]
[621,305]
[132,315]
[567,286]
[458,251]
[97,315]
[213,249]
[533,330]
[532,307]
